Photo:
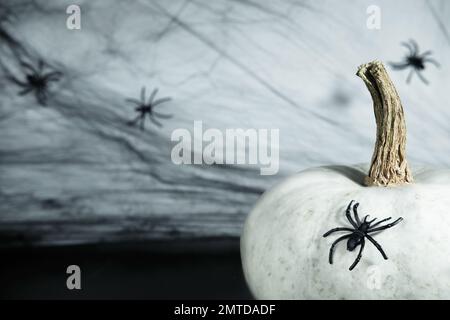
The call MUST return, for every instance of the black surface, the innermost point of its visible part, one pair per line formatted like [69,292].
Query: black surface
[182,269]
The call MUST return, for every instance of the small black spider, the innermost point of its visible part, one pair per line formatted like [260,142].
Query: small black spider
[147,109]
[360,231]
[414,60]
[37,81]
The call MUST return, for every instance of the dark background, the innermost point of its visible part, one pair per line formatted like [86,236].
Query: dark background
[80,186]
[204,269]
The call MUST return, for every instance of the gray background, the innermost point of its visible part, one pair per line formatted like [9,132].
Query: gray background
[74,172]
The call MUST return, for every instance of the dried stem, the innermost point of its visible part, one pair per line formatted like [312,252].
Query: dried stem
[389,166]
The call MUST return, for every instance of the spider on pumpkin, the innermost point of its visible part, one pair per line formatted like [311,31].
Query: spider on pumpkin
[360,231]
[414,60]
[144,109]
[37,81]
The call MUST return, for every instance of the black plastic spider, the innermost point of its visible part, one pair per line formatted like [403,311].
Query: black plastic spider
[147,109]
[360,231]
[414,60]
[37,81]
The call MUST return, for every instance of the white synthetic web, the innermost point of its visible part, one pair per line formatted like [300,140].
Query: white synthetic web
[291,65]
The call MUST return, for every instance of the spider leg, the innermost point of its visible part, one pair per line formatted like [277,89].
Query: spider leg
[18,82]
[355,212]
[422,77]
[142,122]
[133,101]
[377,245]
[143,95]
[162,115]
[390,225]
[159,101]
[349,217]
[363,243]
[426,53]
[369,222]
[330,256]
[52,79]
[156,122]
[41,97]
[372,220]
[28,66]
[437,64]
[407,46]
[335,230]
[415,46]
[408,80]
[399,65]
[381,221]
[40,65]
[25,91]
[152,96]
[133,122]
[53,76]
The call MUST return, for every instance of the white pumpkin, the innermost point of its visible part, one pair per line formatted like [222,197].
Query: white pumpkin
[285,255]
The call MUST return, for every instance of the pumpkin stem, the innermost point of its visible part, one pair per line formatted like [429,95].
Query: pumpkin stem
[389,166]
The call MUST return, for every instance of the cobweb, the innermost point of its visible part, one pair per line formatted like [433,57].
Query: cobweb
[76,171]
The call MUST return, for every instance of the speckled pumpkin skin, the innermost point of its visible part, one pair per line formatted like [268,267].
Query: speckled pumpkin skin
[284,255]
